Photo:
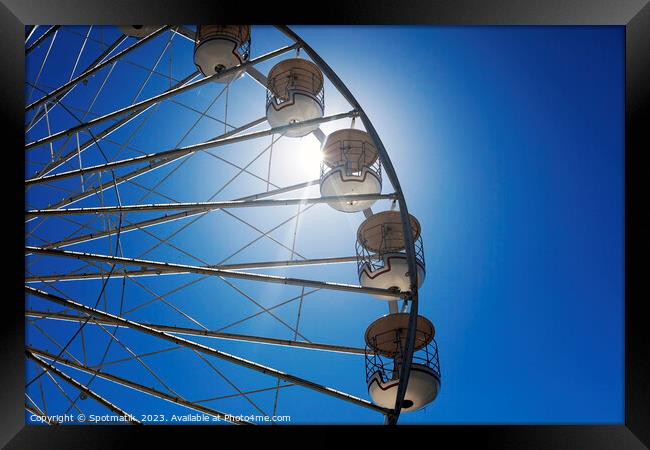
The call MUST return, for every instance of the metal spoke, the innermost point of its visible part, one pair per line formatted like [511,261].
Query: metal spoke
[81,50]
[186,225]
[186,33]
[302,296]
[155,272]
[205,206]
[218,272]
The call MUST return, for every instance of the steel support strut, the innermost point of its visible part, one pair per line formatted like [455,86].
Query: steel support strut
[205,206]
[208,333]
[216,272]
[151,272]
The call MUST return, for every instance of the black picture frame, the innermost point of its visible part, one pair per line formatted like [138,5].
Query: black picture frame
[633,14]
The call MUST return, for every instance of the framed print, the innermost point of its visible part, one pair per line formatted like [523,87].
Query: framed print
[426,217]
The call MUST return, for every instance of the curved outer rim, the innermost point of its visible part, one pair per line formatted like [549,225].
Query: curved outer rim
[391,419]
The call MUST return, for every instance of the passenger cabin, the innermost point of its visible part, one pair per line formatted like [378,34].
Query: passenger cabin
[381,252]
[295,94]
[350,166]
[221,47]
[385,347]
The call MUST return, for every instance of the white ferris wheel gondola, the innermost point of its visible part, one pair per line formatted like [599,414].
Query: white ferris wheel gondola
[385,344]
[350,166]
[221,47]
[381,253]
[295,94]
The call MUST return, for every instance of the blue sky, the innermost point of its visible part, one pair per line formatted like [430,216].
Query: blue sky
[509,146]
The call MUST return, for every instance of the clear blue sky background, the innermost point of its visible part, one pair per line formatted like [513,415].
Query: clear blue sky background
[509,146]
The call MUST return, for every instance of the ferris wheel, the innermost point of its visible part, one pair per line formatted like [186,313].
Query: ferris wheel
[207,238]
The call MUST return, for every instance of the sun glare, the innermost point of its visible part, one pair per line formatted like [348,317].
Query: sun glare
[309,152]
